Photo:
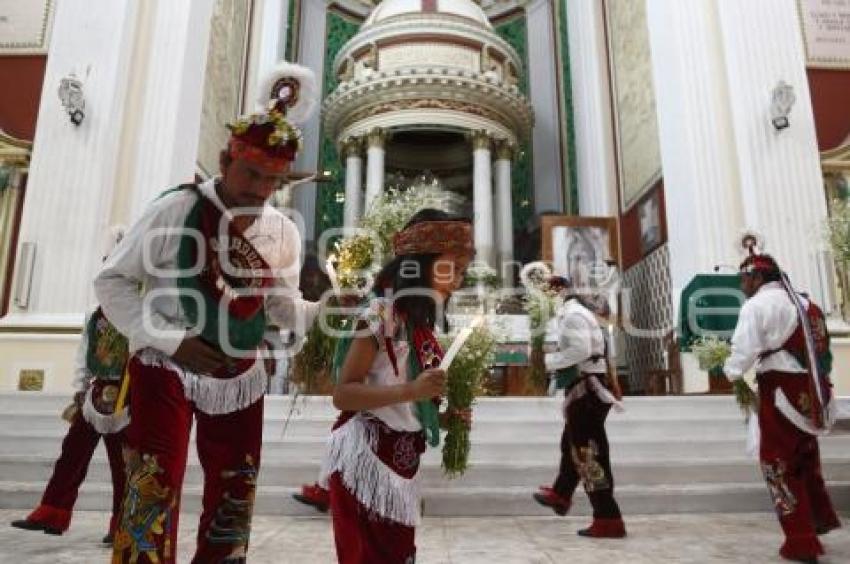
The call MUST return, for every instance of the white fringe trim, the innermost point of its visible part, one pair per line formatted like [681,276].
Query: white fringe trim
[214,396]
[799,420]
[351,452]
[104,424]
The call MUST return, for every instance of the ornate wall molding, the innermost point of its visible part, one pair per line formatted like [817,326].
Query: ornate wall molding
[481,140]
[410,89]
[437,26]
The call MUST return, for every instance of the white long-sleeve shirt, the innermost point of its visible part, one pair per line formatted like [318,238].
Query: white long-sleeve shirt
[579,338]
[766,321]
[148,255]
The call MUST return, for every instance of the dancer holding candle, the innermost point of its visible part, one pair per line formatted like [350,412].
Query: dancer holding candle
[388,383]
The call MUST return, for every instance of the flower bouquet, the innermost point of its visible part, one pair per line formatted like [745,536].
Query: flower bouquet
[465,381]
[711,353]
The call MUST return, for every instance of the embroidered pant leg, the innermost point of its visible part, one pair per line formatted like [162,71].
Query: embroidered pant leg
[782,454]
[362,538]
[823,511]
[114,451]
[70,470]
[158,442]
[589,448]
[568,478]
[229,451]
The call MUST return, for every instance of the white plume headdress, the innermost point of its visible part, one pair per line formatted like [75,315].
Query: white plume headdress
[292,86]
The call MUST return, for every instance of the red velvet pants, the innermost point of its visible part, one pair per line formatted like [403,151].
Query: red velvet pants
[70,470]
[363,538]
[158,436]
[790,461]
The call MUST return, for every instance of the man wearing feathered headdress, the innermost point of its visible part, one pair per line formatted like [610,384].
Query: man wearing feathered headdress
[784,334]
[218,265]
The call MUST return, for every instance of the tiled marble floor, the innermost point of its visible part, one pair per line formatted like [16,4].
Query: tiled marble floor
[293,540]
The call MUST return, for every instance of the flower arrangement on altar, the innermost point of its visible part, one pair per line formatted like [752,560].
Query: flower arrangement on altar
[481,274]
[711,353]
[540,303]
[359,257]
[465,381]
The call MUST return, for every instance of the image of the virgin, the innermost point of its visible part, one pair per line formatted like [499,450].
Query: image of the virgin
[572,254]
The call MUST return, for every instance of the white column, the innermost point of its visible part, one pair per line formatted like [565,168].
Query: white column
[482,193]
[549,185]
[595,164]
[352,153]
[781,183]
[504,209]
[73,168]
[312,55]
[702,186]
[376,140]
[161,139]
[269,25]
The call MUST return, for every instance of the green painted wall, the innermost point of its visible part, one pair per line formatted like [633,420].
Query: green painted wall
[515,32]
[568,132]
[329,197]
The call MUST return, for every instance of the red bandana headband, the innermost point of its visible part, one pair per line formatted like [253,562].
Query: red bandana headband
[277,162]
[759,263]
[435,238]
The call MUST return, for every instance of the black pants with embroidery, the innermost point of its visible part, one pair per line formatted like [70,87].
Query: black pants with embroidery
[585,455]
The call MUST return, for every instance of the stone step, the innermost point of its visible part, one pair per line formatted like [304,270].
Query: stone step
[484,428]
[672,454]
[541,449]
[509,408]
[474,502]
[295,473]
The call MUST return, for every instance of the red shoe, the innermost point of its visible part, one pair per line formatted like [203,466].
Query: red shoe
[605,529]
[315,496]
[48,519]
[548,497]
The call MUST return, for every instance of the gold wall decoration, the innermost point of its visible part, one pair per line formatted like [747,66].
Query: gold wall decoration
[635,115]
[31,380]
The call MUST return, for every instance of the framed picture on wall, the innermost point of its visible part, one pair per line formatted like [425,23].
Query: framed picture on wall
[582,248]
[826,33]
[649,216]
[25,27]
